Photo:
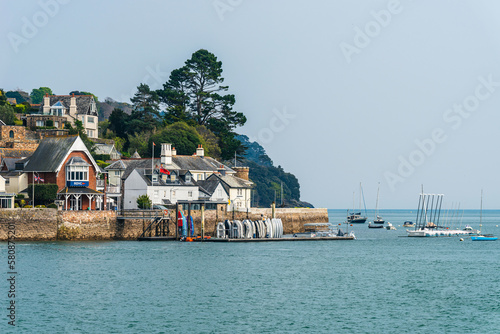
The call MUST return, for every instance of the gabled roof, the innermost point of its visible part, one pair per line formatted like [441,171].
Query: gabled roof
[197,163]
[83,103]
[103,148]
[119,164]
[53,151]
[230,181]
[179,162]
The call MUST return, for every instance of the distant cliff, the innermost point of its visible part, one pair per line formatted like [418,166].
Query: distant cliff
[269,179]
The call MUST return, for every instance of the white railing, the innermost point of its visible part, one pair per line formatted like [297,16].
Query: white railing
[113,189]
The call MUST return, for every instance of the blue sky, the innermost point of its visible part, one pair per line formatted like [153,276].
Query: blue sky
[338,92]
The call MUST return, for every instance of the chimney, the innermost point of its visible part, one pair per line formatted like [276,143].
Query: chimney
[46,104]
[221,170]
[72,106]
[174,151]
[242,172]
[166,154]
[200,151]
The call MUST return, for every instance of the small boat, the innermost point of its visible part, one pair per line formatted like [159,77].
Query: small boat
[408,224]
[389,226]
[468,228]
[375,226]
[484,237]
[355,217]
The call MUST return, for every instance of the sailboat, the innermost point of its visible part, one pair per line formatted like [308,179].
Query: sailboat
[378,219]
[480,236]
[355,217]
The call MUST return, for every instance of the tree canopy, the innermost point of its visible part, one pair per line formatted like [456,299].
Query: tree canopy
[194,94]
[37,94]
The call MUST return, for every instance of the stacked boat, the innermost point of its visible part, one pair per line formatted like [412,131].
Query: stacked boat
[247,229]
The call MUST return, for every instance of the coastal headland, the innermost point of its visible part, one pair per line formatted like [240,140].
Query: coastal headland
[40,224]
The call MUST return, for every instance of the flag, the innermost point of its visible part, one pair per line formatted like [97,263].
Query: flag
[164,171]
[41,180]
[154,144]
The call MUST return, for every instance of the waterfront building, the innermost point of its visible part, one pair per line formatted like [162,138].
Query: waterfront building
[66,161]
[173,178]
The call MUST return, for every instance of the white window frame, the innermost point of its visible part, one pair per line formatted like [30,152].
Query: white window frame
[77,173]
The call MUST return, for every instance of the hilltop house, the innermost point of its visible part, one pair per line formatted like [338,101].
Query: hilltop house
[175,178]
[55,110]
[65,161]
[107,149]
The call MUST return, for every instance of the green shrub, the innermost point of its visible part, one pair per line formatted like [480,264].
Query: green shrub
[20,196]
[143,202]
[52,206]
[27,206]
[40,206]
[16,205]
[44,193]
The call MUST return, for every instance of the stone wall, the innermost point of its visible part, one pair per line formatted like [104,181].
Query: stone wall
[50,224]
[87,225]
[31,224]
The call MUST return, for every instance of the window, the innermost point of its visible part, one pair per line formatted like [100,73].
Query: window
[156,193]
[117,173]
[173,193]
[77,173]
[188,178]
[90,133]
[11,134]
[219,193]
[190,194]
[240,192]
[200,177]
[7,181]
[238,204]
[40,123]
[90,119]
[56,124]
[172,177]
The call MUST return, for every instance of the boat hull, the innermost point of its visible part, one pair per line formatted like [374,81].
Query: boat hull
[375,226]
[357,220]
[483,238]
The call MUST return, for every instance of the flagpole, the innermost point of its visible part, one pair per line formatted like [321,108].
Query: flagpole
[33,190]
[152,160]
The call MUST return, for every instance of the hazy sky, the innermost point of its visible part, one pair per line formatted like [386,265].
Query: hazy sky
[338,92]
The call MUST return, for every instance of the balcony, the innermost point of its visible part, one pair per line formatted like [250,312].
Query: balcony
[111,189]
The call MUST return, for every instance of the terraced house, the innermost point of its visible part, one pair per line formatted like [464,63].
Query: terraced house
[173,178]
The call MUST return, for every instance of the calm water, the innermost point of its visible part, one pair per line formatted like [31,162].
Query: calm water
[380,283]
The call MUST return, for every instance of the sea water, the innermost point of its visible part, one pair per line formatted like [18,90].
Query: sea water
[383,282]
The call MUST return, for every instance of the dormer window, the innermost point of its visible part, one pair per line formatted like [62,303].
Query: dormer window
[188,177]
[77,172]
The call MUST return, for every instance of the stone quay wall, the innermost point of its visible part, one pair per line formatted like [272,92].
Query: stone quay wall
[38,224]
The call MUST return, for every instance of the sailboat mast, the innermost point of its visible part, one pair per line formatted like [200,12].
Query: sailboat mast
[481,212]
[376,205]
[360,196]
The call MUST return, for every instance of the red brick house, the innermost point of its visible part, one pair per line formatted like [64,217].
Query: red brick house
[65,161]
